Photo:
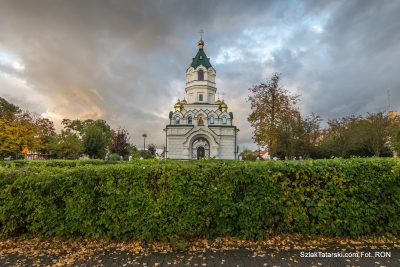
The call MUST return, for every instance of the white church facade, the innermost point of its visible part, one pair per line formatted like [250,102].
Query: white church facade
[200,126]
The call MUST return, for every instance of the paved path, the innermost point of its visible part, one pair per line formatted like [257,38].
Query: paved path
[260,256]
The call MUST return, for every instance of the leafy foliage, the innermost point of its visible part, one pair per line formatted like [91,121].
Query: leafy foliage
[247,154]
[19,129]
[271,106]
[362,136]
[145,154]
[279,125]
[151,148]
[120,142]
[114,157]
[395,137]
[153,200]
[377,131]
[277,122]
[66,145]
[8,109]
[95,135]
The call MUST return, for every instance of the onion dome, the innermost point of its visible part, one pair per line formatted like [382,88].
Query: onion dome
[218,102]
[201,43]
[184,102]
[177,106]
[223,106]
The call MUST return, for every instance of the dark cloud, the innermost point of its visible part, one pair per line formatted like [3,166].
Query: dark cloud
[125,61]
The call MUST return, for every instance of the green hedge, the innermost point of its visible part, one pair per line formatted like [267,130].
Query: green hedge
[52,163]
[173,200]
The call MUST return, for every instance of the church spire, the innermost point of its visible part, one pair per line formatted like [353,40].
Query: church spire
[201,57]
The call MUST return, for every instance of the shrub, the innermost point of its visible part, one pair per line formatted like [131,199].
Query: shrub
[51,163]
[171,200]
[115,157]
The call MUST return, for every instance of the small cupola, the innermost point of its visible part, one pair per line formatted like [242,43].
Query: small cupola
[223,107]
[201,43]
[178,106]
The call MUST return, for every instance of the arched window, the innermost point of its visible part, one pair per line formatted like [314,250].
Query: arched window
[200,74]
[177,120]
[212,120]
[190,120]
[223,120]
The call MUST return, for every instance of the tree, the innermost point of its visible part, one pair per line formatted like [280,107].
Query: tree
[376,132]
[287,133]
[343,136]
[20,128]
[152,149]
[132,150]
[95,141]
[8,109]
[395,138]
[274,116]
[16,132]
[95,135]
[9,126]
[247,154]
[120,142]
[66,145]
[45,130]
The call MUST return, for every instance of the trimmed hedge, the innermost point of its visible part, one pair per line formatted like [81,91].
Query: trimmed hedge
[171,200]
[52,163]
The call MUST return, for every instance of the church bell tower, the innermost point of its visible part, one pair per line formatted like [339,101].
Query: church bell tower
[200,79]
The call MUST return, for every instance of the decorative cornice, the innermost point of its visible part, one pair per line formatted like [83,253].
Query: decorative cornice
[208,87]
[180,125]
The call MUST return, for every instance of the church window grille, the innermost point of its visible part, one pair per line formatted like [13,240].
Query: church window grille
[223,120]
[177,120]
[200,97]
[190,120]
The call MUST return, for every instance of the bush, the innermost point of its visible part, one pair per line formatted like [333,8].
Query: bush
[145,154]
[171,200]
[115,157]
[51,163]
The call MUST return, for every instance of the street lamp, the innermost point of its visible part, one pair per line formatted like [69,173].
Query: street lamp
[144,141]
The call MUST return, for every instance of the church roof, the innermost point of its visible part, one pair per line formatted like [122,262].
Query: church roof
[201,57]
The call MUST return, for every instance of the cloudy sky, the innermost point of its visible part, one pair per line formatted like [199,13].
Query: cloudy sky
[125,61]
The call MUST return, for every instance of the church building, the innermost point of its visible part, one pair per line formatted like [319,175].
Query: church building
[200,126]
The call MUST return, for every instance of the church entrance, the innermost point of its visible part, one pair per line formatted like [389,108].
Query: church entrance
[200,148]
[200,152]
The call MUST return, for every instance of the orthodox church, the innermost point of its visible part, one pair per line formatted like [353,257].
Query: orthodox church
[200,126]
